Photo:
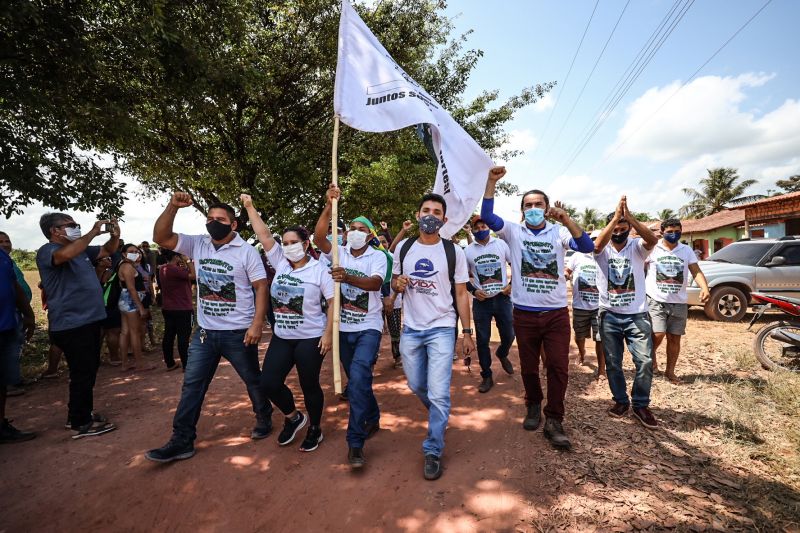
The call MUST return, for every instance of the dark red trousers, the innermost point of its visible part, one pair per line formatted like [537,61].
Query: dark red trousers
[551,331]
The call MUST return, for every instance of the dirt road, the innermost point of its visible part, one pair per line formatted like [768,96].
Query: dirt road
[618,477]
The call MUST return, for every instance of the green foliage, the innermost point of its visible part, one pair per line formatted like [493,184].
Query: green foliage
[719,188]
[641,216]
[791,184]
[665,214]
[220,98]
[25,259]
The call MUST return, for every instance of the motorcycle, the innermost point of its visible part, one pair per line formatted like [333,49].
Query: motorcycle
[777,344]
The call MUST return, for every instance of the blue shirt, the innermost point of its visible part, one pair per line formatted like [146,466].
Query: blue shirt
[8,293]
[74,295]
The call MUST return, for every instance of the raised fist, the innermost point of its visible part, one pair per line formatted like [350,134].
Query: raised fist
[495,173]
[181,199]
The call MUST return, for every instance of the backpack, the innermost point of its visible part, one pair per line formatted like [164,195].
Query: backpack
[449,252]
[112,290]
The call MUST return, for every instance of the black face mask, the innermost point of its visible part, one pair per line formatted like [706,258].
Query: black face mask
[619,238]
[218,230]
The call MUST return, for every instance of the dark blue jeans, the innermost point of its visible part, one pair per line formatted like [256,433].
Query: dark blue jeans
[357,352]
[616,330]
[499,308]
[202,365]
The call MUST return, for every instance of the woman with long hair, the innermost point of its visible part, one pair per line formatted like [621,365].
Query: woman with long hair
[131,307]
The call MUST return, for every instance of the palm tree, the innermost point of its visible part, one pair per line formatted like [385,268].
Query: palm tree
[590,219]
[666,214]
[719,188]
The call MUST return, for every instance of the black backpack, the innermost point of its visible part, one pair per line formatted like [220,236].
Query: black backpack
[449,252]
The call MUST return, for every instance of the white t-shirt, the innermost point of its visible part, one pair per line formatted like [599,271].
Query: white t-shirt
[487,265]
[537,264]
[427,302]
[225,298]
[297,296]
[584,281]
[620,277]
[361,309]
[668,273]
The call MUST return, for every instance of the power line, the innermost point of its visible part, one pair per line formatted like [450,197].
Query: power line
[588,78]
[643,59]
[687,82]
[566,78]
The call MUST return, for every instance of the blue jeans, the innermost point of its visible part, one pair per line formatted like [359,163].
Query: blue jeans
[357,352]
[428,364]
[203,358]
[615,330]
[498,307]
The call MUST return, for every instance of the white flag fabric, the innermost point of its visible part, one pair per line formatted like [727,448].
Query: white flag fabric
[373,93]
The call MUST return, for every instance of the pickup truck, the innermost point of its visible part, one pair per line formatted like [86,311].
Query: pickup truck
[741,268]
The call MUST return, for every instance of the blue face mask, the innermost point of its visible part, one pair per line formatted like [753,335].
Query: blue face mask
[430,224]
[672,237]
[534,216]
[481,235]
[338,238]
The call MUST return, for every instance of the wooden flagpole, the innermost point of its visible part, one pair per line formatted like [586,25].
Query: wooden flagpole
[337,293]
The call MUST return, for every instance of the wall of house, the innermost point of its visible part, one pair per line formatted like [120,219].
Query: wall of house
[723,236]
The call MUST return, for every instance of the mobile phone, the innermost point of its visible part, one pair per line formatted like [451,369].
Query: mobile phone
[108,227]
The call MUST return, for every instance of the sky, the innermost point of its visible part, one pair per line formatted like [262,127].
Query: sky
[741,110]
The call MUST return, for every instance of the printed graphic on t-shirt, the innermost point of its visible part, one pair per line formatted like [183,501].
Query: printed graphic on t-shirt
[355,301]
[587,284]
[490,274]
[287,295]
[621,286]
[418,279]
[216,287]
[669,274]
[539,267]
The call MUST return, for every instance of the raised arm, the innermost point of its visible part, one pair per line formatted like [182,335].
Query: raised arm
[263,233]
[494,222]
[400,235]
[162,231]
[78,246]
[110,247]
[647,235]
[605,234]
[321,229]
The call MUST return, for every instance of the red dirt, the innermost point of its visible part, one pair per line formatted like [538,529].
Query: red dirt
[497,477]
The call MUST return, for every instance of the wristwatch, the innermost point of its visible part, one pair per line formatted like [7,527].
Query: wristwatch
[467,331]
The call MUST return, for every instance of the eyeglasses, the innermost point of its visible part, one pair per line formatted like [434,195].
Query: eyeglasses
[72,225]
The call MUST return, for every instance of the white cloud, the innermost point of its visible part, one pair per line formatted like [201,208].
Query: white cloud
[709,116]
[546,103]
[137,226]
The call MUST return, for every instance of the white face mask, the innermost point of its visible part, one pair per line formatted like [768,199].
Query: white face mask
[72,234]
[294,252]
[132,257]
[356,239]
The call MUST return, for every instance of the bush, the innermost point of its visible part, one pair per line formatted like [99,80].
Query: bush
[25,259]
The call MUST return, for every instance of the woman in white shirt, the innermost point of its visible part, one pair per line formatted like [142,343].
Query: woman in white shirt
[303,329]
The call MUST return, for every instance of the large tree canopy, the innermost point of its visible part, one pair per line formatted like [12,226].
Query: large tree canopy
[219,98]
[720,188]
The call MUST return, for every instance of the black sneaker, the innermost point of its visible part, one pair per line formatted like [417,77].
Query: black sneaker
[96,417]
[533,418]
[174,450]
[262,430]
[312,440]
[433,467]
[93,429]
[343,396]
[10,434]
[555,434]
[290,429]
[486,385]
[507,366]
[355,456]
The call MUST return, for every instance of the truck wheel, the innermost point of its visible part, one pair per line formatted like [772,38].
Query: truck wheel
[727,304]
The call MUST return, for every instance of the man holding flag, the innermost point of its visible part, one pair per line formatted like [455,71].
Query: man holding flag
[360,272]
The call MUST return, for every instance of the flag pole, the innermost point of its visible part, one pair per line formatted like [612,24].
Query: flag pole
[337,294]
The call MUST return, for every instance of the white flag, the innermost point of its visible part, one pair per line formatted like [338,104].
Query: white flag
[373,93]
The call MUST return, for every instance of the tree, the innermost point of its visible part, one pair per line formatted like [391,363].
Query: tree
[641,216]
[236,96]
[590,219]
[719,188]
[791,184]
[666,214]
